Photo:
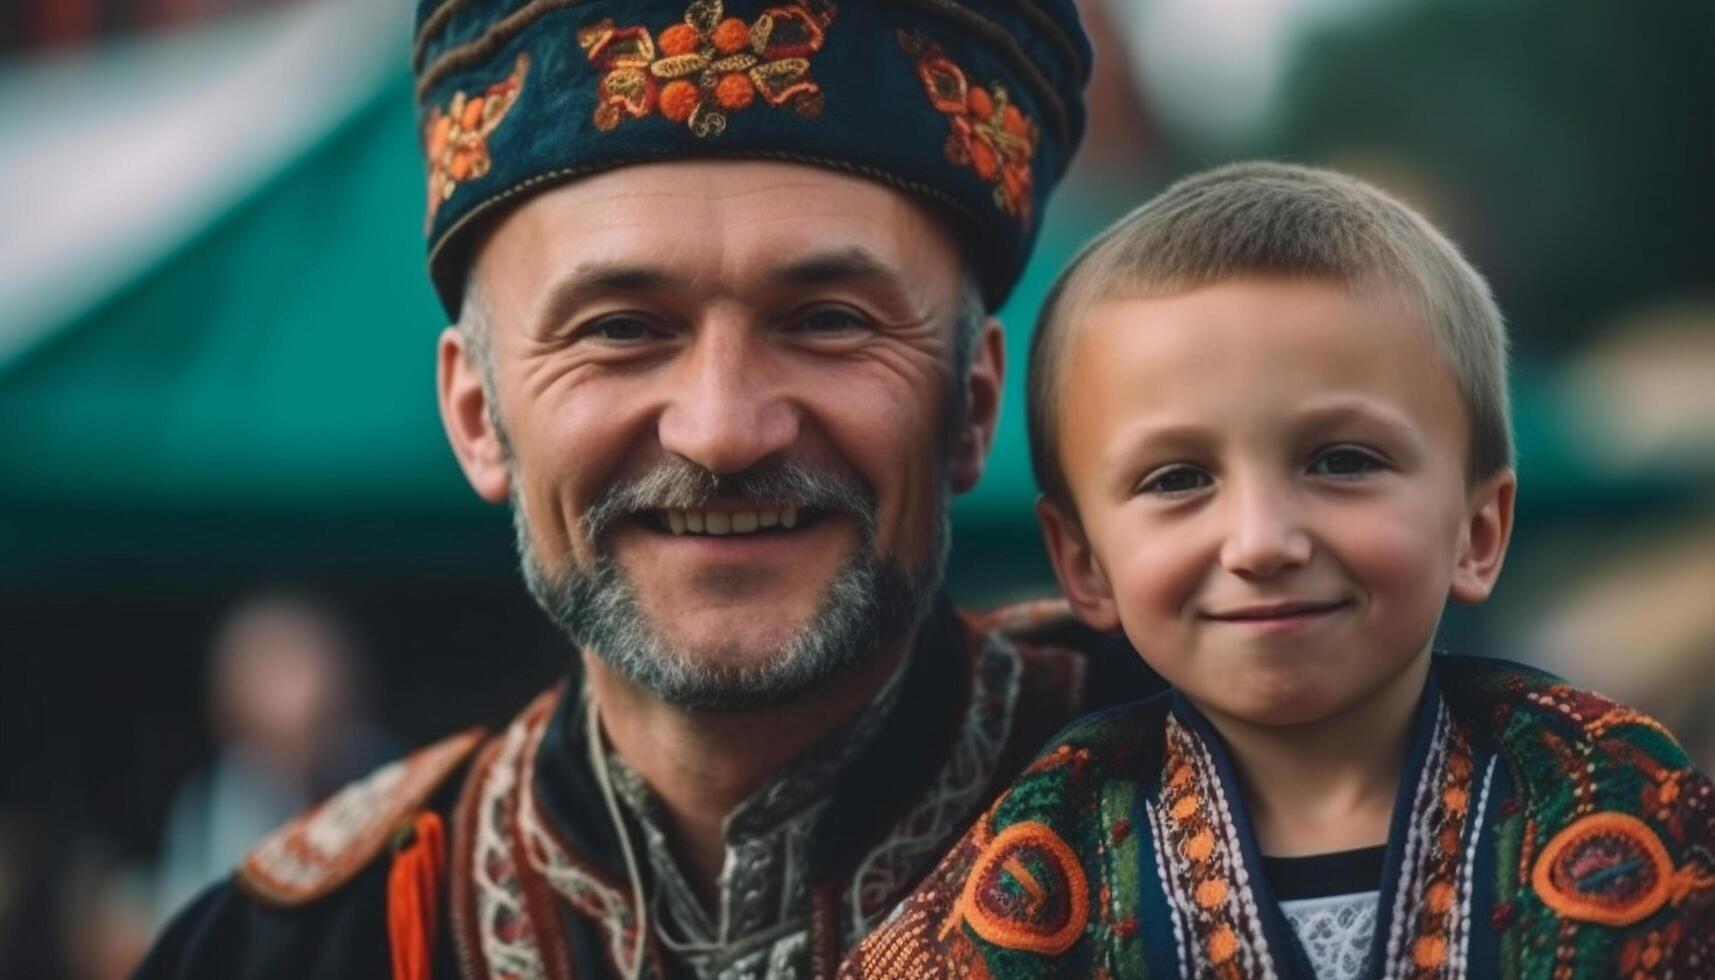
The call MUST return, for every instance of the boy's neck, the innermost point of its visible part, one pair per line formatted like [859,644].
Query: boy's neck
[1328,785]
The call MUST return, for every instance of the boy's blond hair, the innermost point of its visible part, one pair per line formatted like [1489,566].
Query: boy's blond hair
[1273,219]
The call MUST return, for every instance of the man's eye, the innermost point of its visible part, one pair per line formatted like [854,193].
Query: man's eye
[1175,481]
[830,320]
[619,329]
[1346,462]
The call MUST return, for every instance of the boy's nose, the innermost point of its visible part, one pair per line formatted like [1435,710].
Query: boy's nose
[1264,536]
[724,414]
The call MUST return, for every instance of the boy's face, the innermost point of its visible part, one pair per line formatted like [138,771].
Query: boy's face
[1271,492]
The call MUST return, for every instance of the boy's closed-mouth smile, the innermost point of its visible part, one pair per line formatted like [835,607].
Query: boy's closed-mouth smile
[1279,615]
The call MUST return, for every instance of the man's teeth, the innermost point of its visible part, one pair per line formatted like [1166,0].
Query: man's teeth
[730,521]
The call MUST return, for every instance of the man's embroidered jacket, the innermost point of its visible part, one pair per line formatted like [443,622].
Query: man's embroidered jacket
[530,882]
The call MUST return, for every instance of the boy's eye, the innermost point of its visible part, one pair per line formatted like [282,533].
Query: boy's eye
[1346,462]
[1175,480]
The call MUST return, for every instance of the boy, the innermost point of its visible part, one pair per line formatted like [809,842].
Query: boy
[1269,418]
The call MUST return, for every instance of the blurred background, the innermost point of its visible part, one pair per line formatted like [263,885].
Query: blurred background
[238,564]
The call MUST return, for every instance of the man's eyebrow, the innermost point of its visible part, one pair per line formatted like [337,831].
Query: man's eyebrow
[855,264]
[592,279]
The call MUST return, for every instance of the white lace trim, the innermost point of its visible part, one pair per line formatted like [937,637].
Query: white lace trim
[1335,932]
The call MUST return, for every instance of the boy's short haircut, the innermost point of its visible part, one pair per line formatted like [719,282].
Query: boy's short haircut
[1273,219]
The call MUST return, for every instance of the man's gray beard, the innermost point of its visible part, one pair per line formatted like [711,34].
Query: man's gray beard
[870,607]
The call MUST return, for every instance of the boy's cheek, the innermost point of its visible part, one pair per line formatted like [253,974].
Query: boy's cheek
[1155,578]
[1398,552]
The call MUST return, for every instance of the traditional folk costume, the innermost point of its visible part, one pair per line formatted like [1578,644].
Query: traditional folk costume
[495,857]
[1539,832]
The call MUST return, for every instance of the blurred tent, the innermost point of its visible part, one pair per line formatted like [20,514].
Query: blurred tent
[250,373]
[253,390]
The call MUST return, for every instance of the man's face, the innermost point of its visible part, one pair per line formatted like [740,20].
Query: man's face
[1270,476]
[722,391]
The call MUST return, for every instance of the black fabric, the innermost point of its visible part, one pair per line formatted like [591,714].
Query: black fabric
[1325,875]
[226,934]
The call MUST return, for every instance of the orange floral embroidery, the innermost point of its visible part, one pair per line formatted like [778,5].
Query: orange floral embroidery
[456,139]
[990,135]
[699,72]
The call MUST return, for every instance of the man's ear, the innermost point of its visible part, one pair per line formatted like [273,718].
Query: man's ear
[983,383]
[465,414]
[1488,527]
[1075,565]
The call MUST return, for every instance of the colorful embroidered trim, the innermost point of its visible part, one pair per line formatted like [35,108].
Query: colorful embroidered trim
[322,849]
[1431,913]
[989,134]
[1607,868]
[699,72]
[507,940]
[456,139]
[1028,891]
[1215,919]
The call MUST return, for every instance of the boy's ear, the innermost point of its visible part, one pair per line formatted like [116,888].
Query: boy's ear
[982,408]
[1075,565]
[1488,527]
[465,415]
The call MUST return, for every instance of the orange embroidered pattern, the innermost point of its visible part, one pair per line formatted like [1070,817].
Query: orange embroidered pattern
[1027,891]
[989,134]
[1607,868]
[701,71]
[456,139]
[922,940]
[1214,910]
[1428,939]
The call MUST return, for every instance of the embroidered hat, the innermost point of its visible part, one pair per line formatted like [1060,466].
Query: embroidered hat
[975,105]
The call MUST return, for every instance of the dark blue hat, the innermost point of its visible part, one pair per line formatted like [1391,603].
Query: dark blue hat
[976,106]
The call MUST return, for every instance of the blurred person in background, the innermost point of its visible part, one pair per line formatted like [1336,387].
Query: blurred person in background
[71,908]
[728,356]
[286,701]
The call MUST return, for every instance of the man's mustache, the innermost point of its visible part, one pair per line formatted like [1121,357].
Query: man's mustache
[676,483]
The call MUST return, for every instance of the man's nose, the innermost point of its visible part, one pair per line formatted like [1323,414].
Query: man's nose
[727,411]
[1265,533]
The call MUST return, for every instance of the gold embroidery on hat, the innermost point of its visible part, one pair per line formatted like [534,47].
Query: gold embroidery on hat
[455,140]
[989,134]
[702,70]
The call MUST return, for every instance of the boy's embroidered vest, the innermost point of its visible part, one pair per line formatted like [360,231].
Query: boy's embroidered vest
[1539,832]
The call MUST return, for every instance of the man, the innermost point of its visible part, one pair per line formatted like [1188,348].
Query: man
[720,277]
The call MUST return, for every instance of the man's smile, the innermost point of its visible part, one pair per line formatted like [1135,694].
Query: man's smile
[718,520]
